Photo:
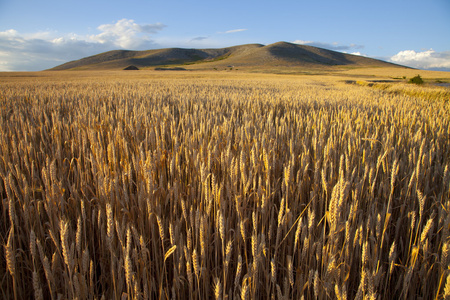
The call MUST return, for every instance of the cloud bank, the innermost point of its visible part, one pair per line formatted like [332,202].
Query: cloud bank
[38,51]
[333,46]
[428,59]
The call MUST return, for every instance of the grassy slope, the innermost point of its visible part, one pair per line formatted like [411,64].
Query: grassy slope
[120,59]
[275,57]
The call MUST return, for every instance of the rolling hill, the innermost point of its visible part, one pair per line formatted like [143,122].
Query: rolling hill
[281,55]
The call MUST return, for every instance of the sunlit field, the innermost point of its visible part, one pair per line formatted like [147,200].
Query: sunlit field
[190,185]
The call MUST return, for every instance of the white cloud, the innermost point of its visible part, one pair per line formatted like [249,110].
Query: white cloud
[428,59]
[333,46]
[8,33]
[235,30]
[126,33]
[43,50]
[302,42]
[358,53]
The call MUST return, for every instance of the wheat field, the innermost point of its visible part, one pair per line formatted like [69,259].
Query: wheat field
[222,186]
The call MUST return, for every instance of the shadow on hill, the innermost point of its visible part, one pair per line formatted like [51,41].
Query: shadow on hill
[307,54]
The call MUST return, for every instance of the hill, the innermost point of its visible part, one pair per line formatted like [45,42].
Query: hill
[281,55]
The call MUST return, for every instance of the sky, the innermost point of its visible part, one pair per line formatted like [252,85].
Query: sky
[37,35]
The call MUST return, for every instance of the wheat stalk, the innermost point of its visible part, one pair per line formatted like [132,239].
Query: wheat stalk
[36,286]
[11,259]
[447,288]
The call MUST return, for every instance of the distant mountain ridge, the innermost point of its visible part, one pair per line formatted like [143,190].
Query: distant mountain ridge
[249,56]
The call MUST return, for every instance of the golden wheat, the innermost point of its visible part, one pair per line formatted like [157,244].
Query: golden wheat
[223,186]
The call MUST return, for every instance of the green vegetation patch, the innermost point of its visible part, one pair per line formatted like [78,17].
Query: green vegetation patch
[416,80]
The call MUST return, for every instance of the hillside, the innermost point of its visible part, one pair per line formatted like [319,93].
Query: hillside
[250,57]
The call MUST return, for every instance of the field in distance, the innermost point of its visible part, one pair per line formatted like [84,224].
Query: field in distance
[226,185]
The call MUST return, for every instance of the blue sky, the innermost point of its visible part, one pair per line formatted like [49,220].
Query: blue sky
[35,35]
